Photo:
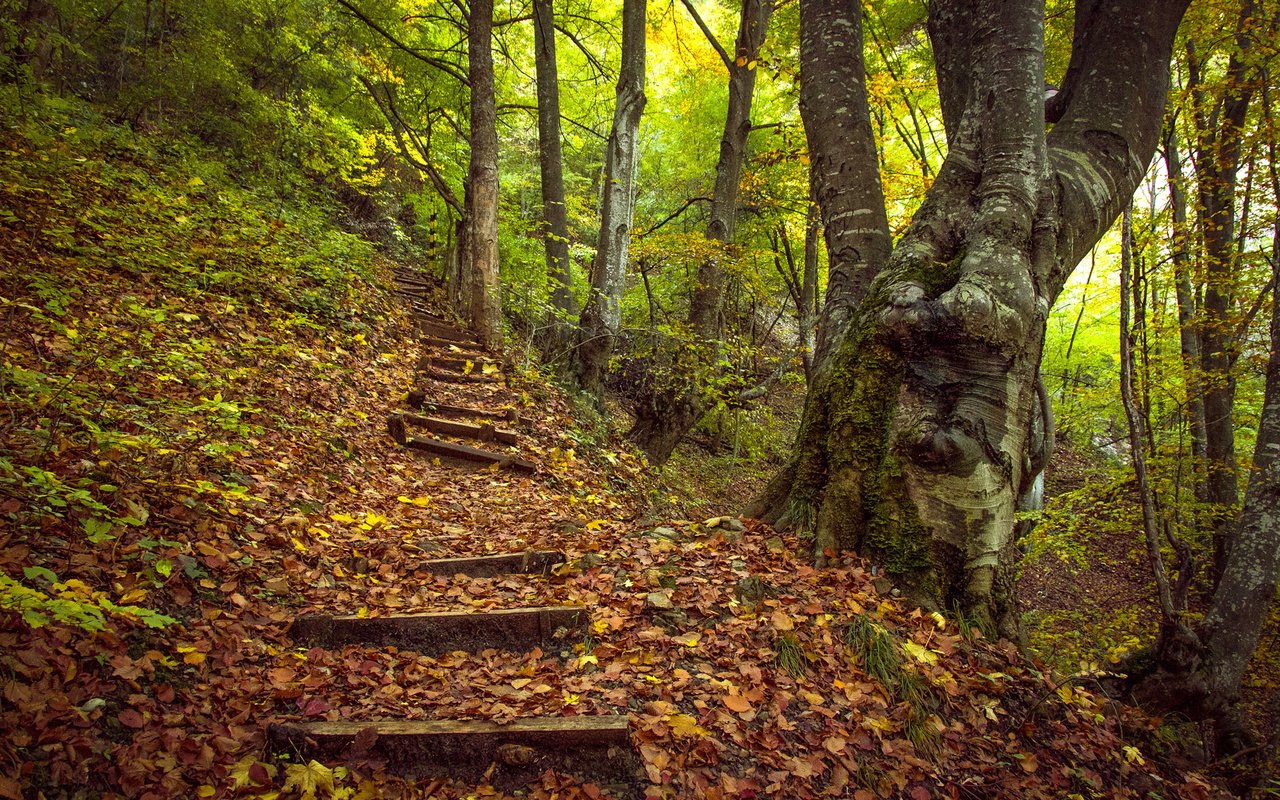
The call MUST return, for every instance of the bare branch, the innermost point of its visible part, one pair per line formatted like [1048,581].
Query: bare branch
[443,66]
[711,37]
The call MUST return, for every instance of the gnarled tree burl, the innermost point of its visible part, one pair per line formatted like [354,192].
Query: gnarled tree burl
[916,439]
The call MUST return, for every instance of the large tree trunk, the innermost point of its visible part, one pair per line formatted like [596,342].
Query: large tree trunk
[915,440]
[602,316]
[672,406]
[832,75]
[484,307]
[555,228]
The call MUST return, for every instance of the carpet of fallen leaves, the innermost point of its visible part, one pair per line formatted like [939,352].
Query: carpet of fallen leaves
[215,452]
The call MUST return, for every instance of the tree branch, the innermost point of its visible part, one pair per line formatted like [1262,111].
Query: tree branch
[418,54]
[674,214]
[711,37]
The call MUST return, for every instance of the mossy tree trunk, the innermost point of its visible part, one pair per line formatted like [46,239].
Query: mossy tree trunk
[915,441]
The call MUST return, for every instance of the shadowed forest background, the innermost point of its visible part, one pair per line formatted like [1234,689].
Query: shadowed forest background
[900,281]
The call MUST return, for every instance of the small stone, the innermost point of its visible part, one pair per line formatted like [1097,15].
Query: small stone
[776,545]
[589,561]
[734,524]
[666,533]
[882,585]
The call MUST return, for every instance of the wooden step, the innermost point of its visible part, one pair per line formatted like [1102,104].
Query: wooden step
[457,364]
[450,344]
[533,562]
[517,630]
[418,400]
[484,433]
[442,330]
[473,750]
[458,377]
[461,451]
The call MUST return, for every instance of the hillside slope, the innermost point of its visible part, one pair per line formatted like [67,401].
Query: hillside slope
[195,379]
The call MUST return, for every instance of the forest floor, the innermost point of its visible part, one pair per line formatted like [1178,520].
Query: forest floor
[193,454]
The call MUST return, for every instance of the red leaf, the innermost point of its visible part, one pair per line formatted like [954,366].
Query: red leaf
[315,708]
[130,718]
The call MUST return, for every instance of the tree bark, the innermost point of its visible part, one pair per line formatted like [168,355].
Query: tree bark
[485,298]
[1188,313]
[809,291]
[602,317]
[1218,143]
[914,444]
[555,228]
[671,406]
[832,75]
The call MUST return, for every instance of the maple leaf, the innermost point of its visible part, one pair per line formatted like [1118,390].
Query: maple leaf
[310,778]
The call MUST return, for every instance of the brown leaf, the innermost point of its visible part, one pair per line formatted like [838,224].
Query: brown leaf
[131,718]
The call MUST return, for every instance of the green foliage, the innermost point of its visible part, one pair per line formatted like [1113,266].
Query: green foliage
[789,654]
[71,603]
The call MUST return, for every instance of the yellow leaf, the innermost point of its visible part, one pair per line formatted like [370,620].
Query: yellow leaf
[194,658]
[467,367]
[600,626]
[571,699]
[587,658]
[133,596]
[1064,691]
[489,369]
[372,519]
[684,725]
[299,546]
[1133,755]
[595,524]
[688,640]
[196,181]
[922,654]
[206,791]
[782,621]
[308,779]
[363,612]
[420,502]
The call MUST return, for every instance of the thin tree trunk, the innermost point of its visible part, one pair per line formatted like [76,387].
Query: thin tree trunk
[602,317]
[1219,141]
[671,407]
[485,300]
[832,75]
[1188,314]
[555,229]
[809,291]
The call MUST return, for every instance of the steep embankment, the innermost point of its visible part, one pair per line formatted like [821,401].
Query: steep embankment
[195,383]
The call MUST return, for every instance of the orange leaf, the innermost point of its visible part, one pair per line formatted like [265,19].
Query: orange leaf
[736,702]
[782,621]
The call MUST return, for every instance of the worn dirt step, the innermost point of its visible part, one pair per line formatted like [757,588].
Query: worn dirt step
[458,377]
[533,562]
[418,400]
[508,754]
[484,433]
[464,452]
[517,630]
[443,330]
